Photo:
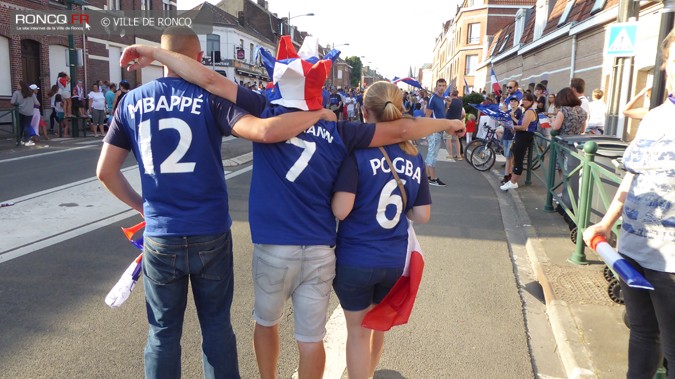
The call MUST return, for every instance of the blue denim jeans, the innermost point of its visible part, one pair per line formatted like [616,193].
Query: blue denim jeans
[168,265]
[434,142]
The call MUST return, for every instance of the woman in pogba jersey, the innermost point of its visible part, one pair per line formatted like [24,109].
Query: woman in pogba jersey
[373,231]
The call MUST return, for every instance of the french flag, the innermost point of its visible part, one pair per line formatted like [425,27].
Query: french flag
[297,77]
[409,81]
[396,307]
[496,88]
[621,266]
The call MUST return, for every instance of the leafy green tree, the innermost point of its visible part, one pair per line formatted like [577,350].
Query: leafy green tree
[357,66]
[472,98]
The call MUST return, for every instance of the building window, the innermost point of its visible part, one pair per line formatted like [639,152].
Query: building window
[519,26]
[598,6]
[114,5]
[506,40]
[166,5]
[539,21]
[251,52]
[213,46]
[471,63]
[5,72]
[473,36]
[566,12]
[146,5]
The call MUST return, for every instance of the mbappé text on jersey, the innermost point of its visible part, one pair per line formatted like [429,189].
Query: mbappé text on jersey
[169,104]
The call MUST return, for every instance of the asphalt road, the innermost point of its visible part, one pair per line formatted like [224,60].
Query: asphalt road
[61,251]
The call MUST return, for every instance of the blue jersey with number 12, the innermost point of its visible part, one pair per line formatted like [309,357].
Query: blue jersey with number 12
[292,184]
[175,130]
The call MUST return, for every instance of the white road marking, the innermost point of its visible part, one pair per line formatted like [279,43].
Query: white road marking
[87,143]
[70,210]
[43,154]
[335,344]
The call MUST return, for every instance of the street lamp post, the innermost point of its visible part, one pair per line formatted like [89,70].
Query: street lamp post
[290,29]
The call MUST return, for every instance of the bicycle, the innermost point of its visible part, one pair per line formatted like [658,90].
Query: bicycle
[482,155]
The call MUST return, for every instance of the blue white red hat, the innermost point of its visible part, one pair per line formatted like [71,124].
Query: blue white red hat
[297,77]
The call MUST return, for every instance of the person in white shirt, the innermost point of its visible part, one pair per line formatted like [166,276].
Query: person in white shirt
[97,107]
[598,111]
[350,101]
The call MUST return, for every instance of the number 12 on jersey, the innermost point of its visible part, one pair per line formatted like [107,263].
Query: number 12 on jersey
[172,164]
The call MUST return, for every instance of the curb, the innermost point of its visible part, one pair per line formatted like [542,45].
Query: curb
[573,354]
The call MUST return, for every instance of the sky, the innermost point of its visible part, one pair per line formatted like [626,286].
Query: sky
[392,35]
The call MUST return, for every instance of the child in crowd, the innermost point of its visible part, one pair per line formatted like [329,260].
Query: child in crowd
[470,127]
[60,116]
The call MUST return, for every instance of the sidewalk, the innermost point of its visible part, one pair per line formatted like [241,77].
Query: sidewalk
[588,326]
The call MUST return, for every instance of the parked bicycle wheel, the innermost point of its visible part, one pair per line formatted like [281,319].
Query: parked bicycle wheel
[470,148]
[483,158]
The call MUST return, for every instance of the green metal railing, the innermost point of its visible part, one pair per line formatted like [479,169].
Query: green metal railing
[554,159]
[15,123]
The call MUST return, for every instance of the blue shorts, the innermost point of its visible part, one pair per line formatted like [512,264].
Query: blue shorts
[359,287]
[507,143]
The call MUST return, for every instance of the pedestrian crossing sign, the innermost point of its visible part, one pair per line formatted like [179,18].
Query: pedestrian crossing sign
[621,40]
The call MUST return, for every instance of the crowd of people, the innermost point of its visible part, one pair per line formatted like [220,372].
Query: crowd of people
[95,107]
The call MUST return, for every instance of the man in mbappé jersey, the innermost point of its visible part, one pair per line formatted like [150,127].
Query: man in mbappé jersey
[175,131]
[292,225]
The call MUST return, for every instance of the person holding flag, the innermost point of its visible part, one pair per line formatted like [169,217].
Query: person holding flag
[293,259]
[373,236]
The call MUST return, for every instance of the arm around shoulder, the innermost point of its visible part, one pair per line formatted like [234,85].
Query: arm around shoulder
[279,128]
[405,129]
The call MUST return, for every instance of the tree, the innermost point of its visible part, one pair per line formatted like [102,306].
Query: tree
[357,66]
[472,98]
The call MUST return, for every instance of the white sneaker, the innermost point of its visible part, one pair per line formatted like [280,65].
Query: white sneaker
[508,185]
[29,143]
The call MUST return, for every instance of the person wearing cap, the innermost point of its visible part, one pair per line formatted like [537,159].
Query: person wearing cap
[293,258]
[187,238]
[25,100]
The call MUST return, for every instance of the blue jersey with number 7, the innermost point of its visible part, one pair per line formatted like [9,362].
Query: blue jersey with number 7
[292,184]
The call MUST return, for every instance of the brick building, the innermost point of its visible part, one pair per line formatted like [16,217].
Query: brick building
[465,39]
[562,39]
[39,58]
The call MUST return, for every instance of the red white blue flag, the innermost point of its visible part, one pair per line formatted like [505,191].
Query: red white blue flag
[297,77]
[496,88]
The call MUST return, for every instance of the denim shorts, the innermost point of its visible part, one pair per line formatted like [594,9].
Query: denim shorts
[359,287]
[507,143]
[434,142]
[301,273]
